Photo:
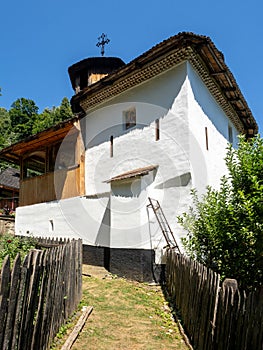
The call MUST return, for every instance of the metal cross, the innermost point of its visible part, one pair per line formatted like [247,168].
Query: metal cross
[102,41]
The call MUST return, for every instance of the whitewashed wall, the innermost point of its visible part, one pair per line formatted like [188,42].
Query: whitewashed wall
[119,216]
[136,148]
[204,112]
[78,217]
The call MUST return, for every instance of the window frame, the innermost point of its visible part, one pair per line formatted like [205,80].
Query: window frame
[129,118]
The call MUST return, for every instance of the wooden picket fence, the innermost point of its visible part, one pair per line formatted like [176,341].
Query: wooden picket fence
[214,316]
[37,296]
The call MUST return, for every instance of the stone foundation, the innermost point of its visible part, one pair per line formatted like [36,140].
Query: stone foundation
[134,264]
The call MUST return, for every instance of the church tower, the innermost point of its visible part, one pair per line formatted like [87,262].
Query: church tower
[90,70]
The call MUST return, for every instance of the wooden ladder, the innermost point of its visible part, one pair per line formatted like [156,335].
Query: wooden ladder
[163,223]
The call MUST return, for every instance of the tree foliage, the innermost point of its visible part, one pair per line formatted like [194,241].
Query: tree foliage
[44,120]
[64,111]
[23,114]
[53,116]
[225,227]
[6,134]
[23,119]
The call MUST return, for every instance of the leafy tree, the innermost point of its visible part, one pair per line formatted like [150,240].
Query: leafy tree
[44,120]
[5,128]
[225,227]
[6,134]
[64,111]
[50,117]
[23,114]
[23,120]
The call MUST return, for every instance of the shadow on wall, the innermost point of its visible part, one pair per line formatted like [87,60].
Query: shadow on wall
[178,181]
[133,187]
[103,236]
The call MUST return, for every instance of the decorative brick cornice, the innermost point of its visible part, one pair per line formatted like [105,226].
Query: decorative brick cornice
[204,57]
[133,79]
[216,91]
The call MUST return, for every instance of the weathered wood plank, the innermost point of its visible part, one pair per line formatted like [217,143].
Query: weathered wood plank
[46,296]
[51,309]
[4,293]
[37,296]
[214,318]
[77,329]
[41,302]
[25,296]
[19,307]
[60,184]
[12,304]
[32,300]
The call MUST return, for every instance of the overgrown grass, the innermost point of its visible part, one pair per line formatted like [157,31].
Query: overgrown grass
[126,315]
[12,245]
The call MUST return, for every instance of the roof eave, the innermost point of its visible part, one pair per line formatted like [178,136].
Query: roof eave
[182,46]
[55,133]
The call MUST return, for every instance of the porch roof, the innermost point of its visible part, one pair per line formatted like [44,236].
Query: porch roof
[133,173]
[40,140]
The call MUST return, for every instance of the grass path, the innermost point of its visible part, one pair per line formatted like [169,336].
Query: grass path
[126,315]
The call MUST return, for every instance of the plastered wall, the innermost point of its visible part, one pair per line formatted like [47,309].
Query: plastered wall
[190,153]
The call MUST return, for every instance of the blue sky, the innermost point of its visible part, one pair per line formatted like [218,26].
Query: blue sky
[41,39]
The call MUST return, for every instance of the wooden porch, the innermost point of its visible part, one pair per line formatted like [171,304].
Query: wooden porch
[52,164]
[60,184]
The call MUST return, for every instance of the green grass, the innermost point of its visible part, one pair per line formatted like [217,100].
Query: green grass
[126,315]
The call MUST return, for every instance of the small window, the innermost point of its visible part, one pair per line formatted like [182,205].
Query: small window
[129,117]
[157,130]
[111,146]
[206,138]
[51,225]
[230,134]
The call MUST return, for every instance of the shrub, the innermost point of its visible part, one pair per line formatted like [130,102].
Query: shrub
[12,245]
[225,227]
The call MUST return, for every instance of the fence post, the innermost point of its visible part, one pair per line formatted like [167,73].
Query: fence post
[35,298]
[4,293]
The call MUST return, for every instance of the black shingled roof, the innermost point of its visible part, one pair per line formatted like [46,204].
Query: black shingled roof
[10,178]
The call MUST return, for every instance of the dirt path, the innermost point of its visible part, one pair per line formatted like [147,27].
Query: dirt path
[126,315]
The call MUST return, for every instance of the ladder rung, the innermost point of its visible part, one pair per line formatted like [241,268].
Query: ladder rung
[166,230]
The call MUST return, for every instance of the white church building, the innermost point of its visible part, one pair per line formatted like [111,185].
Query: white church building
[153,128]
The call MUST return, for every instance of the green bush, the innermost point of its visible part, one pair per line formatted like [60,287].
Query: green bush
[225,227]
[12,245]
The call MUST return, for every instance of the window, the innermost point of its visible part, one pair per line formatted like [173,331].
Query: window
[206,138]
[111,146]
[230,134]
[157,130]
[129,117]
[51,225]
